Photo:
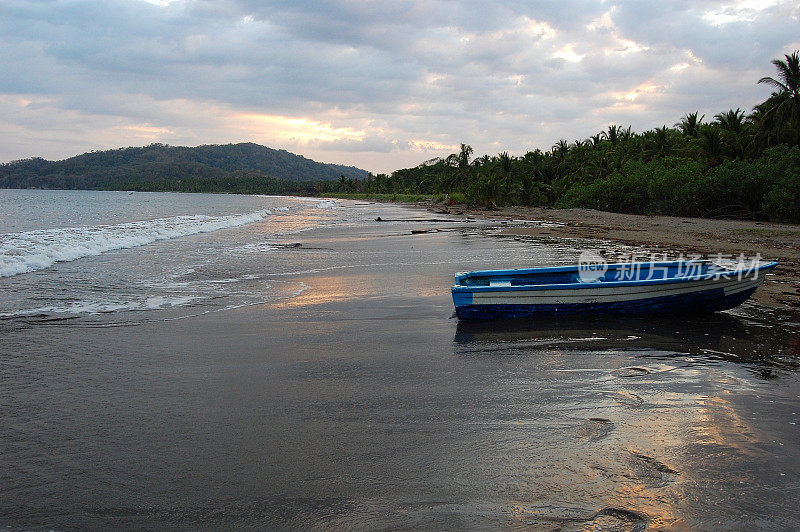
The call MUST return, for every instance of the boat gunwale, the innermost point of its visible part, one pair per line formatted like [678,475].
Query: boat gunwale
[576,267]
[718,275]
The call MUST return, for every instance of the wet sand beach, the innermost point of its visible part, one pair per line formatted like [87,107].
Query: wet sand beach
[361,402]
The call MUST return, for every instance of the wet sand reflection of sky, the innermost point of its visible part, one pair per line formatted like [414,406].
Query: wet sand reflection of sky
[654,430]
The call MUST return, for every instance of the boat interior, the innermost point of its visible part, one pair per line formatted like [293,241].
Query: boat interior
[590,273]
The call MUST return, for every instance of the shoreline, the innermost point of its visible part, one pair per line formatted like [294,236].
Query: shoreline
[663,234]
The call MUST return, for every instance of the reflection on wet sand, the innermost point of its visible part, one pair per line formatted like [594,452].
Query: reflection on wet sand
[659,410]
[720,424]
[326,289]
[696,340]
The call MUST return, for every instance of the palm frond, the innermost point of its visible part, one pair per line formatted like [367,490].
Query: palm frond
[774,82]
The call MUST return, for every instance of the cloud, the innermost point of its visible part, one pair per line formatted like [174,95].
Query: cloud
[381,85]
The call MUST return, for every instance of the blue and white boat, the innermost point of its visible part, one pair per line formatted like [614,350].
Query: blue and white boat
[624,288]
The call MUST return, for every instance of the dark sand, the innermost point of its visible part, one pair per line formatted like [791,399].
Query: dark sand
[362,403]
[673,235]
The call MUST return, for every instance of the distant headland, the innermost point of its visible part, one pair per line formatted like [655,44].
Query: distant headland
[245,168]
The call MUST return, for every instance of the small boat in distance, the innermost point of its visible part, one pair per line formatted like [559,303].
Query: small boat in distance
[624,288]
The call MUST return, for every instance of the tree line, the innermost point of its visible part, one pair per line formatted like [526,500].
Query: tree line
[734,164]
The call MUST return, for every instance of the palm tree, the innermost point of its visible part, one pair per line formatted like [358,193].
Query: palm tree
[690,124]
[612,135]
[505,176]
[533,164]
[463,155]
[732,121]
[561,148]
[732,125]
[662,141]
[485,188]
[712,143]
[535,190]
[505,162]
[483,161]
[787,95]
[451,179]
[765,129]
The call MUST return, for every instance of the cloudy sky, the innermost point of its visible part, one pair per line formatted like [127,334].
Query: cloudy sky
[381,85]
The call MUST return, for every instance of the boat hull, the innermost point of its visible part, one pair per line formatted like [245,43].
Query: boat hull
[685,296]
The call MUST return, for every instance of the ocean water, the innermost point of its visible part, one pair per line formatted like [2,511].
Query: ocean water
[71,254]
[189,361]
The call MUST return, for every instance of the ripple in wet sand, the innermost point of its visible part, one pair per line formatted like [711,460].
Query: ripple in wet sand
[594,429]
[612,518]
[651,472]
[628,399]
[632,371]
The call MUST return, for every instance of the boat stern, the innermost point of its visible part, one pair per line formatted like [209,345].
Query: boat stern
[461,297]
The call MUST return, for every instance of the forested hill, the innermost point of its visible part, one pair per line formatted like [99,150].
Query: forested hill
[244,167]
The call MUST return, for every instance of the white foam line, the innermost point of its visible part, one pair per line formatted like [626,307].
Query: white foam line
[34,250]
[104,307]
[351,266]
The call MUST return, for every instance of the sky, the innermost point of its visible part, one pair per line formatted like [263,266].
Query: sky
[379,85]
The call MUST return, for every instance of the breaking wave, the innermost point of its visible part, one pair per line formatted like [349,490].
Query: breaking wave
[34,250]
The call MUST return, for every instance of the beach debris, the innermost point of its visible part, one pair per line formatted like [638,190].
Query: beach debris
[425,220]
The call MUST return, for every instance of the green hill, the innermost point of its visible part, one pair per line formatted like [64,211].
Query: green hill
[244,167]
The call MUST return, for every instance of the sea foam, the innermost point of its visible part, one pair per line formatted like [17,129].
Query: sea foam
[34,250]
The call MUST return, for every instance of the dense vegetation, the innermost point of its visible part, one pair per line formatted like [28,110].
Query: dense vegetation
[734,165]
[244,168]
